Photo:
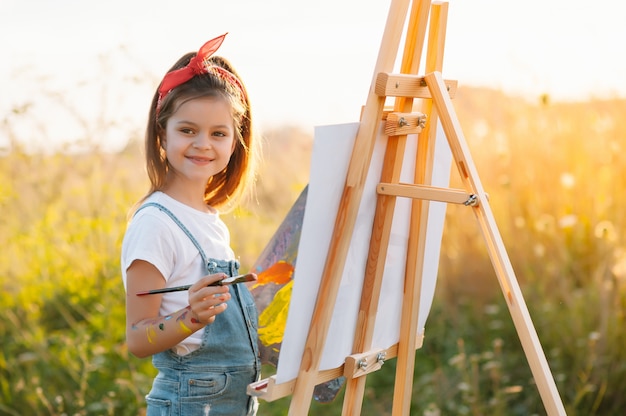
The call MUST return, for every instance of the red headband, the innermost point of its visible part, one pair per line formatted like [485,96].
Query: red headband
[199,64]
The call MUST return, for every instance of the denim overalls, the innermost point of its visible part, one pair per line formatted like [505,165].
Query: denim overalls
[211,380]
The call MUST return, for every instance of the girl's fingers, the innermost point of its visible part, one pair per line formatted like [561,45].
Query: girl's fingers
[206,308]
[213,294]
[207,316]
[203,289]
[208,281]
[207,301]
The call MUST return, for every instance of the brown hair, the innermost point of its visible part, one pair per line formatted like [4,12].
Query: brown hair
[226,188]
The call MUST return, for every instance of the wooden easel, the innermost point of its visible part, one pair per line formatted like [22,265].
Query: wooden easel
[402,121]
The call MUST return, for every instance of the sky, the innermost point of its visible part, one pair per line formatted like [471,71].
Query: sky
[86,68]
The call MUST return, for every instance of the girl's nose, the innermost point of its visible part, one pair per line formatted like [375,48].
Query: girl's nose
[203,141]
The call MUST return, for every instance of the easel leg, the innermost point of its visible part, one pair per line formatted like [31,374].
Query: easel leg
[502,265]
[403,387]
[385,205]
[346,216]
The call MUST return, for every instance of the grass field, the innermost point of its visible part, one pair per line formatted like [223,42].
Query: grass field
[556,176]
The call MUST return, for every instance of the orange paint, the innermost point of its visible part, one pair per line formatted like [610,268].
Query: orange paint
[278,273]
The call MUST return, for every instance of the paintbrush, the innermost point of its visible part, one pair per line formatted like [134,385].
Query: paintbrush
[249,277]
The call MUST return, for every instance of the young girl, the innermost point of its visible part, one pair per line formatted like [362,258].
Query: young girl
[200,153]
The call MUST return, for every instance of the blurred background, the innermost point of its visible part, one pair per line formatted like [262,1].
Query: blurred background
[541,102]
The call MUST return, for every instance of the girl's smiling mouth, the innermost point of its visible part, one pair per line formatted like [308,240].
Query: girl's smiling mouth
[200,159]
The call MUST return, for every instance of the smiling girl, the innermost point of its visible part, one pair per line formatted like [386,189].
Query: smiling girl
[200,154]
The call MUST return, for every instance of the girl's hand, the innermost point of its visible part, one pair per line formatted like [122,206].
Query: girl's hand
[208,301]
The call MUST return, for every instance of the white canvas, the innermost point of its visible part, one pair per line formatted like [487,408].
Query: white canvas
[329,165]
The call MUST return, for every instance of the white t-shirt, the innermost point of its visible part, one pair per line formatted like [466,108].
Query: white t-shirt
[154,237]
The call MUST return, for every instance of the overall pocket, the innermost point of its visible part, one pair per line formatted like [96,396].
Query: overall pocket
[210,394]
[207,384]
[159,400]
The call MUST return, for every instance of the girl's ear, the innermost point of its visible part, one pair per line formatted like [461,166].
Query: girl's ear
[162,138]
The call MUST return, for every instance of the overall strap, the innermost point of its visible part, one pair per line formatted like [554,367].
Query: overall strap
[205,259]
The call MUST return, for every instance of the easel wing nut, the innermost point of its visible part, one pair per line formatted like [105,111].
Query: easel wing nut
[398,124]
[358,365]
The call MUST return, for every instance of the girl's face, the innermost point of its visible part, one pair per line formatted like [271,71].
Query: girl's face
[199,140]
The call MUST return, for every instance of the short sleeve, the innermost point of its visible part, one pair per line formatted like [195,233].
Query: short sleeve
[149,238]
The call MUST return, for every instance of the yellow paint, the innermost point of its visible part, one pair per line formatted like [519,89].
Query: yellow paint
[273,319]
[151,334]
[184,327]
[278,273]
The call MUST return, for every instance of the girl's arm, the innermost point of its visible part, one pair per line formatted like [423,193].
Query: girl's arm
[147,332]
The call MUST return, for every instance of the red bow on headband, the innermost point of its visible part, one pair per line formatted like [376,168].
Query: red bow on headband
[196,66]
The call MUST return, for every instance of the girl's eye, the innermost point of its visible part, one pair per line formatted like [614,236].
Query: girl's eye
[219,134]
[186,131]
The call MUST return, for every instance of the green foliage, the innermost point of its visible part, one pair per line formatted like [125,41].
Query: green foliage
[63,332]
[553,172]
